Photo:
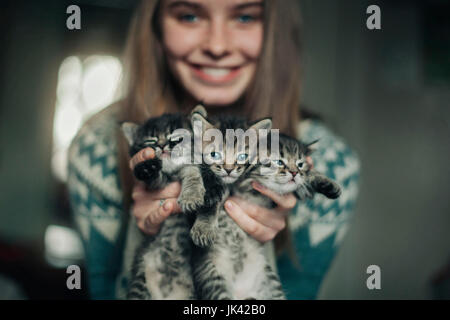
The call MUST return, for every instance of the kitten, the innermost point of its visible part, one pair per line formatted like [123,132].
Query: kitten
[232,265]
[161,267]
[227,262]
[290,172]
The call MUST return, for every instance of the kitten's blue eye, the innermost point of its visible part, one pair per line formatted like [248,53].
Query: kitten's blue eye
[189,18]
[216,156]
[279,163]
[242,157]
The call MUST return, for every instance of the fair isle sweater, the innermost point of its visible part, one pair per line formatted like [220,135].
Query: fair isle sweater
[317,226]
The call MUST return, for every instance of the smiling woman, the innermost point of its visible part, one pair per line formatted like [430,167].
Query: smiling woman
[240,57]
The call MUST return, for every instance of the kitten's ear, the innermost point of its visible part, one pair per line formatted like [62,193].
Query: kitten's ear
[200,109]
[312,146]
[129,130]
[265,123]
[197,117]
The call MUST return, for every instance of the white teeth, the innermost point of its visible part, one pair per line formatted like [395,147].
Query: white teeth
[216,72]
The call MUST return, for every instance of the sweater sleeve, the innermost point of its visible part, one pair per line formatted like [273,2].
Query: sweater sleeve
[319,225]
[96,202]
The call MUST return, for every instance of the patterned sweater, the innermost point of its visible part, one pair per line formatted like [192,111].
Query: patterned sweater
[317,225]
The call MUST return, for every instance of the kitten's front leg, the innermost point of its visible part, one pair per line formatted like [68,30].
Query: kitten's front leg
[324,185]
[192,189]
[304,192]
[205,229]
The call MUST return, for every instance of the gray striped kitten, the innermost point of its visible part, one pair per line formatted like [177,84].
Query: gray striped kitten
[227,262]
[291,173]
[232,264]
[161,267]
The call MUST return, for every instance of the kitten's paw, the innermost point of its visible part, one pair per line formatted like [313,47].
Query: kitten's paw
[203,235]
[335,192]
[330,189]
[148,170]
[191,199]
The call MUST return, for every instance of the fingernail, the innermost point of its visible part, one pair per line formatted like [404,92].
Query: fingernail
[259,186]
[229,204]
[148,153]
[167,206]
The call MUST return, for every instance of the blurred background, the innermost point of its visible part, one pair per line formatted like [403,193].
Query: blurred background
[387,92]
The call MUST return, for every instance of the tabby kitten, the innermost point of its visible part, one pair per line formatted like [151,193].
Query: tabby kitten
[161,267]
[291,173]
[234,266]
[227,262]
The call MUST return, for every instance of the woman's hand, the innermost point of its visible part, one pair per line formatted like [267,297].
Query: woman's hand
[261,223]
[148,208]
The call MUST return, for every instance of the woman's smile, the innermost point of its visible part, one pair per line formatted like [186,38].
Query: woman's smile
[211,75]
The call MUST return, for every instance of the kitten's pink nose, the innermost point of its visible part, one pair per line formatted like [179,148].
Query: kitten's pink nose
[294,173]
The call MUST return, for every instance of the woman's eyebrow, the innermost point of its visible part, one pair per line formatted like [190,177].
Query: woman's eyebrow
[249,4]
[181,3]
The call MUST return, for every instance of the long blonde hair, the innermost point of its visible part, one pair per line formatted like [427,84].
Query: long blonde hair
[152,90]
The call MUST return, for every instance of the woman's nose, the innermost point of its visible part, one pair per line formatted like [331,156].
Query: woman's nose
[216,42]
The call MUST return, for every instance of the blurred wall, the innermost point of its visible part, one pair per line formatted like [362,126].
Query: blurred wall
[35,41]
[371,87]
[31,35]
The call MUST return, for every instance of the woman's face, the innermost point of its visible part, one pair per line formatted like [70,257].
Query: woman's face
[212,47]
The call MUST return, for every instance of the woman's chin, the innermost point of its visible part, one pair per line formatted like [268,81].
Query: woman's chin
[218,97]
[217,101]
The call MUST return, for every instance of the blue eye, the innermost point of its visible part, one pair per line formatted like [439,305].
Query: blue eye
[245,18]
[242,157]
[279,163]
[189,18]
[216,156]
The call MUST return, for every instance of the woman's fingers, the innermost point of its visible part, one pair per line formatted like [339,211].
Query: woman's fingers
[310,162]
[172,190]
[271,218]
[285,201]
[151,208]
[150,215]
[257,230]
[158,216]
[139,191]
[142,155]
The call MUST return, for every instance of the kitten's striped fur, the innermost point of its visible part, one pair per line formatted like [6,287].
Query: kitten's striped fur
[233,265]
[161,268]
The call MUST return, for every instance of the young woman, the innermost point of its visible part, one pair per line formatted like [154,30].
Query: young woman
[238,57]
